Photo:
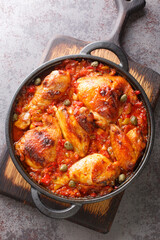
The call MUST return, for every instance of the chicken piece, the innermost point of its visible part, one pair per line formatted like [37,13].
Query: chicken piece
[136,138]
[100,121]
[61,181]
[101,94]
[85,118]
[37,146]
[52,88]
[72,131]
[122,148]
[23,121]
[94,169]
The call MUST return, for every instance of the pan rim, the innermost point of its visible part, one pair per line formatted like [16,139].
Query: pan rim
[145,156]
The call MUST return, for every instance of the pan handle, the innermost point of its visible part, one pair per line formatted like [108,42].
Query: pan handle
[109,46]
[59,214]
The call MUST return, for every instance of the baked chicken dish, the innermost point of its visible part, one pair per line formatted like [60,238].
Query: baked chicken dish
[81,130]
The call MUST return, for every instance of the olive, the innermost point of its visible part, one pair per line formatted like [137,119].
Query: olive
[121,178]
[68,145]
[72,183]
[109,150]
[133,120]
[123,98]
[15,117]
[37,81]
[63,168]
[94,64]
[67,102]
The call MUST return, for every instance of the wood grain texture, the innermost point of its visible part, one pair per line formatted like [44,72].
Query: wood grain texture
[98,216]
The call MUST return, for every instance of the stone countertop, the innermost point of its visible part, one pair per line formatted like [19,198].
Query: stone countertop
[25,28]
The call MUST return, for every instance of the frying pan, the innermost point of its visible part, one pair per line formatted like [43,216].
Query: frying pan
[125,8]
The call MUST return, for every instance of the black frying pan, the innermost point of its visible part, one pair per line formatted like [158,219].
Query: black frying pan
[125,8]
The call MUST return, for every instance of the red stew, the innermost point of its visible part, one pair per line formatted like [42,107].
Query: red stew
[94,117]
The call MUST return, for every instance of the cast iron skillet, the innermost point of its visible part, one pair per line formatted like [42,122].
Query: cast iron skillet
[125,8]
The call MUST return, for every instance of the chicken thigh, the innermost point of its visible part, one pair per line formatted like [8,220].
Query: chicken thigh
[52,88]
[126,147]
[101,94]
[37,146]
[94,169]
[136,138]
[72,131]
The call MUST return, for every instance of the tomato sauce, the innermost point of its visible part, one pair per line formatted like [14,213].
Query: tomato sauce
[99,138]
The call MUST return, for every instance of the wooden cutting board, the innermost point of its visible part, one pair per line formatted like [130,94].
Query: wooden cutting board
[97,216]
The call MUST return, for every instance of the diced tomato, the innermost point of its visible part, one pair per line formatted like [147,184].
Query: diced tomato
[93,194]
[18,109]
[137,92]
[50,110]
[90,67]
[61,142]
[76,156]
[46,179]
[31,89]
[138,104]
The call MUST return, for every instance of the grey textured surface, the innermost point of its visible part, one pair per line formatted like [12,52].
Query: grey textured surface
[25,28]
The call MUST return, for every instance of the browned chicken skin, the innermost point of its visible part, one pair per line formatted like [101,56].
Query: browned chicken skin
[53,87]
[72,131]
[85,118]
[126,148]
[101,95]
[137,140]
[37,146]
[94,169]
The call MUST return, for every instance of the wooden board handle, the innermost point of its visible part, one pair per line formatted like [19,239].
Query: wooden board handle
[125,9]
